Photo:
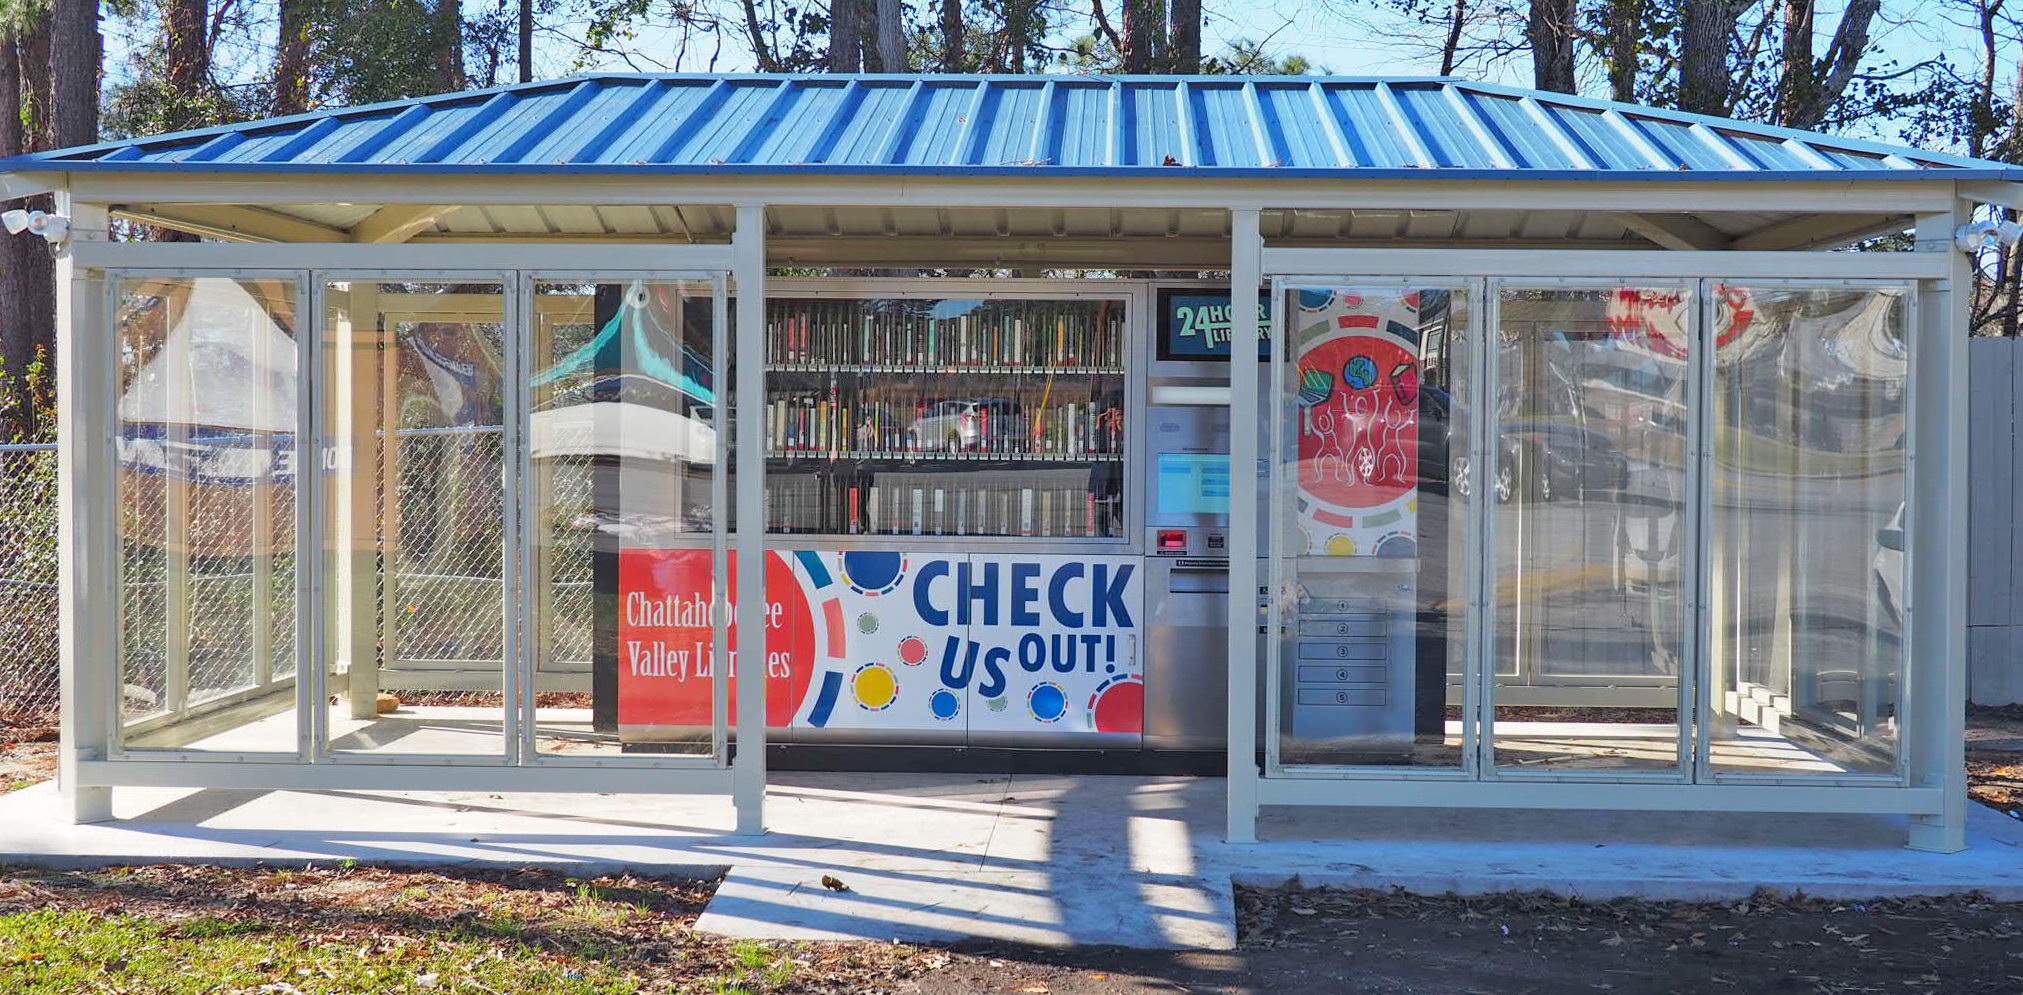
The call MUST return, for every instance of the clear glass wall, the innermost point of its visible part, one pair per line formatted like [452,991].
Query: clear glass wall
[415,517]
[1588,567]
[1372,488]
[206,427]
[625,437]
[1812,418]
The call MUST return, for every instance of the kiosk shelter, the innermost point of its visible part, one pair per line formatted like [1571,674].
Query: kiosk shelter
[485,435]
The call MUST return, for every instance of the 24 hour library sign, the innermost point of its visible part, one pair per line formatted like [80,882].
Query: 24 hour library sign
[893,641]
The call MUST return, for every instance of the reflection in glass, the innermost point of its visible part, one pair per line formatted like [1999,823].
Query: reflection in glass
[1370,500]
[207,468]
[1811,418]
[945,417]
[1589,490]
[415,517]
[623,444]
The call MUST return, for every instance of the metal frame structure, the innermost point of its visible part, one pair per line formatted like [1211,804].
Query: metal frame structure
[1933,657]
[1662,204]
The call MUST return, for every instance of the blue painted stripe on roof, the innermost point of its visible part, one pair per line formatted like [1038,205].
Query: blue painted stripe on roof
[679,124]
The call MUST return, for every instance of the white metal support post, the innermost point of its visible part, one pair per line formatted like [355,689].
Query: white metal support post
[1936,620]
[88,585]
[748,271]
[357,353]
[1246,271]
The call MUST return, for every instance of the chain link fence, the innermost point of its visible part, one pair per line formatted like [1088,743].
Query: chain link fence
[28,649]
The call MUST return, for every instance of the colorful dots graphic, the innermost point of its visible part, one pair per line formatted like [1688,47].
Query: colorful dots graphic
[875,687]
[873,573]
[867,623]
[912,651]
[1341,545]
[1047,702]
[945,705]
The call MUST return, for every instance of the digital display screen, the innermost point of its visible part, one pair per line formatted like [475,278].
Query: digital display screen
[1195,325]
[1193,484]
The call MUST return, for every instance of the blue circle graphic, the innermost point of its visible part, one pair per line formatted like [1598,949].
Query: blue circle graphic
[1047,701]
[1397,544]
[1313,299]
[873,572]
[945,704]
[1359,373]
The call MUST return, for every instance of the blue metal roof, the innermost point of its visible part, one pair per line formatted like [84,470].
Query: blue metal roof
[1224,126]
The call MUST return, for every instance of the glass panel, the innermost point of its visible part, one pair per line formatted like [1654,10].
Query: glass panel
[415,408]
[924,416]
[1811,418]
[207,421]
[1371,500]
[1590,487]
[622,441]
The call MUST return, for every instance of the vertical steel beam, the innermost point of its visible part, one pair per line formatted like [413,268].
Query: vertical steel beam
[1934,730]
[1246,271]
[748,270]
[88,574]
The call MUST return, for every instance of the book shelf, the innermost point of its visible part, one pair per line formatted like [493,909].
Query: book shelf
[945,417]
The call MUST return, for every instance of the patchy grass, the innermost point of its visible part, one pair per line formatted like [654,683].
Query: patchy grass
[180,929]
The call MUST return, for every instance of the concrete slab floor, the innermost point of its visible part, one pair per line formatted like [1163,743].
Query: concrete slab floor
[1049,860]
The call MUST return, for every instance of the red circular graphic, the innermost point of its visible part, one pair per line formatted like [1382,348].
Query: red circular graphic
[912,651]
[1358,421]
[1120,706]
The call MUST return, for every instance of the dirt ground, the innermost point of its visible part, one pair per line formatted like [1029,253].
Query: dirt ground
[27,756]
[355,930]
[1324,942]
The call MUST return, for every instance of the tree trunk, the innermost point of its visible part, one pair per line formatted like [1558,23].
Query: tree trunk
[1552,34]
[762,53]
[526,41]
[1705,27]
[19,287]
[1018,31]
[1184,53]
[1836,71]
[846,41]
[891,38]
[450,45]
[1795,83]
[1450,50]
[27,275]
[291,58]
[1141,35]
[187,48]
[73,72]
[1625,26]
[951,36]
[37,87]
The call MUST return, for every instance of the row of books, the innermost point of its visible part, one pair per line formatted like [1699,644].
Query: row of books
[961,508]
[838,422]
[953,333]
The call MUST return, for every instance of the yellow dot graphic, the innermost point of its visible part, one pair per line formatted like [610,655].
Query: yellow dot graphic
[1341,546]
[874,686]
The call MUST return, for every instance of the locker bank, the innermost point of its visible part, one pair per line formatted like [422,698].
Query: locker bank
[1361,441]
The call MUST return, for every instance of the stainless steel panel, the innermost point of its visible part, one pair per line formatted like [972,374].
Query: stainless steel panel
[1185,664]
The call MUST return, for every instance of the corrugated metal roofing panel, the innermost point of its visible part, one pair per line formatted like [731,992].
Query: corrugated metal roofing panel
[1093,125]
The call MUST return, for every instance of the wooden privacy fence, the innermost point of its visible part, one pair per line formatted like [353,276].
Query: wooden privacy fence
[1994,506]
